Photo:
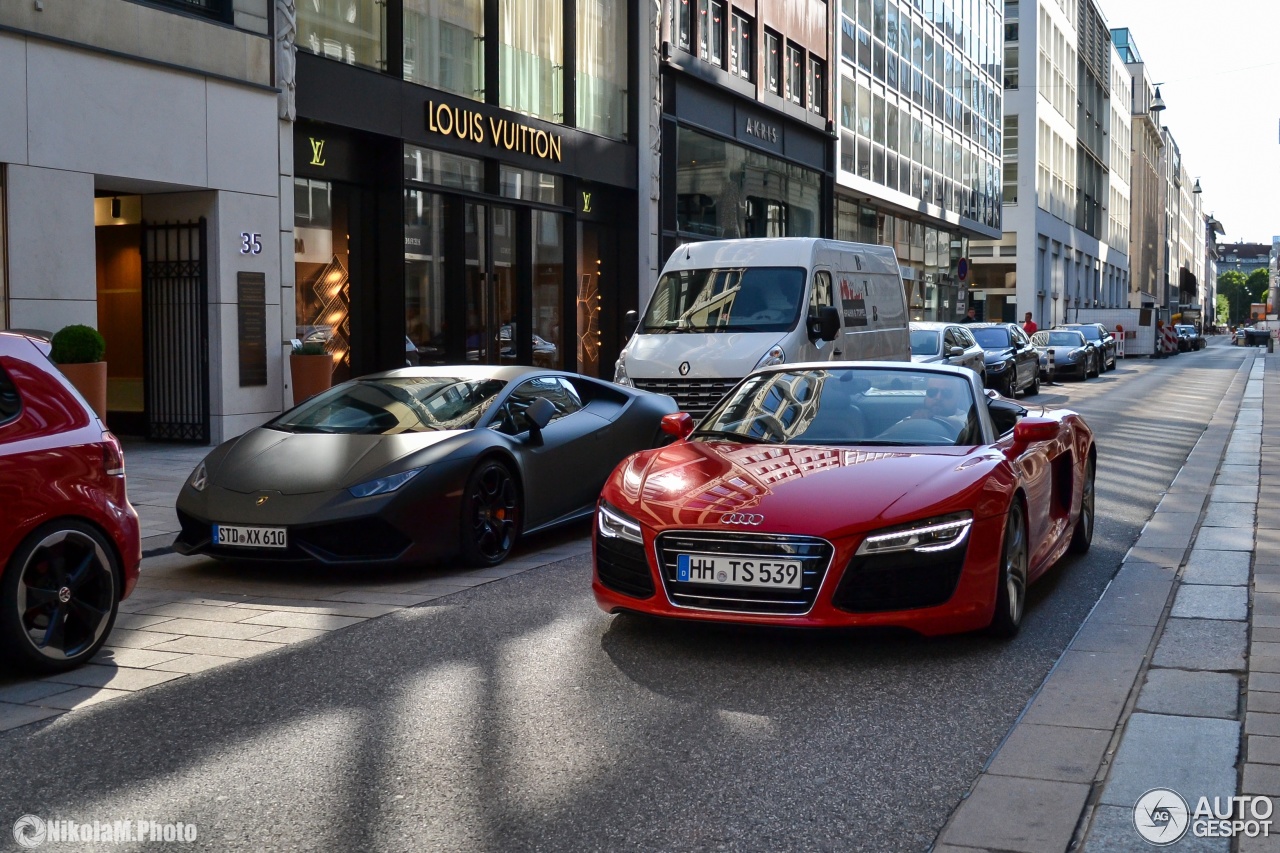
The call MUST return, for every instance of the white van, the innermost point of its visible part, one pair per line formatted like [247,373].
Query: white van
[725,307]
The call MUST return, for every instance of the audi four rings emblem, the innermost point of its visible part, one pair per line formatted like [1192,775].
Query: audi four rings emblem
[741,518]
[684,368]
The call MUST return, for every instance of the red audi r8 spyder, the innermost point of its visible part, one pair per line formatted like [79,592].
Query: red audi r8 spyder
[848,494]
[69,538]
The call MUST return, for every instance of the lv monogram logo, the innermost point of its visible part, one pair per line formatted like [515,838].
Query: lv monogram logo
[317,151]
[586,202]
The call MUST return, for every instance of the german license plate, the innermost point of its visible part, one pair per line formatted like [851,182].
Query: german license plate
[250,537]
[734,570]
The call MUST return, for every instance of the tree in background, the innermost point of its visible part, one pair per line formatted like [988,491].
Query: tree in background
[1222,309]
[1232,285]
[1257,284]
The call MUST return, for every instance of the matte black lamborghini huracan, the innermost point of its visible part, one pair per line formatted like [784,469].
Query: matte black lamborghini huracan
[417,465]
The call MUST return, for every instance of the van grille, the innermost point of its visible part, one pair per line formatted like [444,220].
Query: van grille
[695,396]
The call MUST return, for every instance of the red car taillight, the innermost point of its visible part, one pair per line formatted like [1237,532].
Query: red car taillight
[112,456]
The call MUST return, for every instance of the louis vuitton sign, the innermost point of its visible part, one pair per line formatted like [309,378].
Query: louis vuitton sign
[502,133]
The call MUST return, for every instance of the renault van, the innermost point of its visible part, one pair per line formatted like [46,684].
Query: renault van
[725,307]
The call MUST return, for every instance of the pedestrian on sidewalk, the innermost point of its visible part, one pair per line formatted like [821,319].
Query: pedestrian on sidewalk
[970,316]
[1029,326]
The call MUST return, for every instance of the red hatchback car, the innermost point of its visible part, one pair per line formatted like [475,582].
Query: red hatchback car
[848,494]
[69,539]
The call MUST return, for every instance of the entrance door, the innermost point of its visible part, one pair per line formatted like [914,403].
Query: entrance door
[492,308]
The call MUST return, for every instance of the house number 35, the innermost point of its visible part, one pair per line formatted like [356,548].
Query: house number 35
[250,244]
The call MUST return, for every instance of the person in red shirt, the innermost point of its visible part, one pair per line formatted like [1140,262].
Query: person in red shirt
[1029,326]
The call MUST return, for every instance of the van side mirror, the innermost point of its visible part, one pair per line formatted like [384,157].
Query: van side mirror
[630,322]
[825,326]
[540,413]
[679,424]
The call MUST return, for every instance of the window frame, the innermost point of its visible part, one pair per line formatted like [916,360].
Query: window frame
[741,45]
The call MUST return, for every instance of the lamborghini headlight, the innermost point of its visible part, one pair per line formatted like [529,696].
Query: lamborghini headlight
[383,485]
[199,477]
[616,524]
[933,534]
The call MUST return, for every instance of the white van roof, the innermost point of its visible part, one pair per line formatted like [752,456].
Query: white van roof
[779,252]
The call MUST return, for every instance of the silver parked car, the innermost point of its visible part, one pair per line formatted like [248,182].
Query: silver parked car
[946,343]
[1072,355]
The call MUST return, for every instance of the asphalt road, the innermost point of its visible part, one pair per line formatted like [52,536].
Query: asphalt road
[517,716]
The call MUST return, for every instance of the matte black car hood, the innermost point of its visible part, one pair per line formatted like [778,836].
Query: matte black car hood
[304,463]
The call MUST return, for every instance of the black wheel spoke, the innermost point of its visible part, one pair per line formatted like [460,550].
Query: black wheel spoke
[38,596]
[55,634]
[78,575]
[84,611]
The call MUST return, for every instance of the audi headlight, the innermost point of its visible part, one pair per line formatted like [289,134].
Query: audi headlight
[199,478]
[933,534]
[616,524]
[383,485]
[620,373]
[775,355]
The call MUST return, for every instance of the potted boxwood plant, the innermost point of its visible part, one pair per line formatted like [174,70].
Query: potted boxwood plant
[78,351]
[312,370]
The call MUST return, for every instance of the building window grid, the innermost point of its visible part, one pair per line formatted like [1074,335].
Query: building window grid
[773,62]
[795,74]
[741,45]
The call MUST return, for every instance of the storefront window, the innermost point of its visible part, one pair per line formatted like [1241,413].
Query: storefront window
[726,190]
[602,67]
[354,33]
[548,288]
[529,185]
[447,170]
[424,285]
[322,289]
[444,45]
[531,58]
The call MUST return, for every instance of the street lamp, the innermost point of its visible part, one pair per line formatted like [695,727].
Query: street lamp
[1157,103]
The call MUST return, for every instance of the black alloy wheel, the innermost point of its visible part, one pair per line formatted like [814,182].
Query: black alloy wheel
[61,591]
[1082,536]
[1011,589]
[491,514]
[1011,381]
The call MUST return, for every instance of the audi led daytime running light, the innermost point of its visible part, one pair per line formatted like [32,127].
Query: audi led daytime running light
[617,525]
[936,534]
[383,485]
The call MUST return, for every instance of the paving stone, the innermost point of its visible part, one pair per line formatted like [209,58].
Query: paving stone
[1191,694]
[29,691]
[1162,556]
[1261,779]
[220,647]
[1225,538]
[1113,831]
[1060,753]
[1181,502]
[363,597]
[224,630]
[199,611]
[1086,690]
[137,658]
[1259,723]
[1263,749]
[1222,514]
[1217,567]
[316,621]
[1258,663]
[1133,603]
[1210,644]
[194,663]
[1098,636]
[116,678]
[1262,843]
[1195,601]
[291,635]
[1264,681]
[1030,815]
[137,639]
[1267,703]
[81,697]
[1195,756]
[333,608]
[135,621]
[13,716]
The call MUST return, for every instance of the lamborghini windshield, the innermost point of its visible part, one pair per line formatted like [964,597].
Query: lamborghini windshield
[754,299]
[393,405]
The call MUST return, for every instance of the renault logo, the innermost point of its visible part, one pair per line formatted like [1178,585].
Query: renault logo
[261,501]
[684,368]
[741,518]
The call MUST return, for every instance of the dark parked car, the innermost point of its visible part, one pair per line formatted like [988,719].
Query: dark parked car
[1013,364]
[1102,341]
[417,465]
[69,539]
[1072,355]
[1189,338]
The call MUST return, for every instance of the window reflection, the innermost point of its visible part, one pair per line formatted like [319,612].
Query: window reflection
[531,57]
[345,31]
[444,45]
[602,67]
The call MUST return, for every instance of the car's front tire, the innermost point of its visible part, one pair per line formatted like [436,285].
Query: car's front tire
[1011,585]
[492,510]
[1082,536]
[59,597]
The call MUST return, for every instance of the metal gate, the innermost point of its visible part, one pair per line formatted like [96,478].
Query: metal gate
[175,331]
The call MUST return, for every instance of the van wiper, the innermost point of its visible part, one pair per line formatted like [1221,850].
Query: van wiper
[734,436]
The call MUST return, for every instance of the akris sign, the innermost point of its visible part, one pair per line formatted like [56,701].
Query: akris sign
[507,134]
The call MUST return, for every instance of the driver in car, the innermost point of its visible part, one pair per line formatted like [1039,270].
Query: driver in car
[944,402]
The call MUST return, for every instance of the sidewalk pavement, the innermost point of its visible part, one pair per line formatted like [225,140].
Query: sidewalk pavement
[1173,681]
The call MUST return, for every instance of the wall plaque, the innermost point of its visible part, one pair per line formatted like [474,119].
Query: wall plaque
[251,316]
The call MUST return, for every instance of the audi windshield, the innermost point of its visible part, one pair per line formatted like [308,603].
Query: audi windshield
[756,299]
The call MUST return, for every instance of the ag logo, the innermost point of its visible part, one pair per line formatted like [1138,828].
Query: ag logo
[684,368]
[1161,816]
[29,831]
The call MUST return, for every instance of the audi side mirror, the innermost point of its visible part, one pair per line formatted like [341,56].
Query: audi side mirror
[679,424]
[1031,430]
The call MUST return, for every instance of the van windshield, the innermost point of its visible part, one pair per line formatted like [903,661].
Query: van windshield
[755,299]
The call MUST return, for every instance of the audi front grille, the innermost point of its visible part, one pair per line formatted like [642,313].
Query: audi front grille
[695,396]
[814,555]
